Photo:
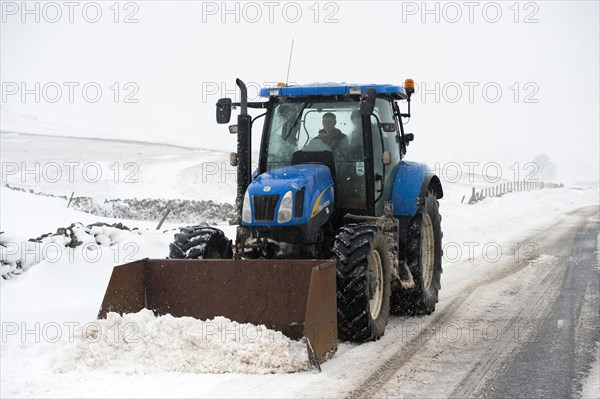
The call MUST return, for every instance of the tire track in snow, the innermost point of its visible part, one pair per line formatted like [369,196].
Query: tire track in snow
[402,352]
[567,335]
[538,303]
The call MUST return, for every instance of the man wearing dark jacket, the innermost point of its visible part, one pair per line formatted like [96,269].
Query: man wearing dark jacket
[329,138]
[330,135]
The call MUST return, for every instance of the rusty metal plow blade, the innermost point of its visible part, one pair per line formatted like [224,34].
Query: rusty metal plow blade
[296,297]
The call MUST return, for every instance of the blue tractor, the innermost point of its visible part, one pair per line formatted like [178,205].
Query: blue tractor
[332,184]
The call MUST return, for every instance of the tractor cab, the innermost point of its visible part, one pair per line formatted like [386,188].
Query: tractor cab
[366,149]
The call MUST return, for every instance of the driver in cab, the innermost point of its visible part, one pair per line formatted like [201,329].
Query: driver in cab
[332,137]
[329,134]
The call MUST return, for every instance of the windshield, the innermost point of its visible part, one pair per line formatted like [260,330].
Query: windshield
[313,126]
[336,126]
[322,126]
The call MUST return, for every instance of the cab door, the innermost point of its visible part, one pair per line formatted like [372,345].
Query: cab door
[386,153]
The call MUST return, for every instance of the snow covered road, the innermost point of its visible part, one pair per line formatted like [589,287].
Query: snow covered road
[478,344]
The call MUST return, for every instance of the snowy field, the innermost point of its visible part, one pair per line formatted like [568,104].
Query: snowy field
[52,345]
[115,169]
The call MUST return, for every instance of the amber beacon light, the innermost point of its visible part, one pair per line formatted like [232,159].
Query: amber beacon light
[409,86]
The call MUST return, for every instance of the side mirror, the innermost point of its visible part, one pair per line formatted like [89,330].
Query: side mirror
[233,159]
[367,101]
[408,137]
[223,110]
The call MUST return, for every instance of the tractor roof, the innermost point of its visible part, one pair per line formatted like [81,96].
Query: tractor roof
[332,89]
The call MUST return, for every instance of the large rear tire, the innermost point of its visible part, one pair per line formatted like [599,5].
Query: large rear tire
[200,242]
[424,259]
[363,282]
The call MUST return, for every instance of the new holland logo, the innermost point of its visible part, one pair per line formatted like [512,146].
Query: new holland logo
[266,189]
[324,204]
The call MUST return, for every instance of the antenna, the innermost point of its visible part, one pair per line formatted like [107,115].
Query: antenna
[289,63]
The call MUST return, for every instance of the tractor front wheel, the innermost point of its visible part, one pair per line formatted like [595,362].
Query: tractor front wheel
[363,282]
[200,242]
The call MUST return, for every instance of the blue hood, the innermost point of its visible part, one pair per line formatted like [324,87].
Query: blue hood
[312,184]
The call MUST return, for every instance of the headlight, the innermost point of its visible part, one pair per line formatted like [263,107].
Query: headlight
[285,209]
[246,212]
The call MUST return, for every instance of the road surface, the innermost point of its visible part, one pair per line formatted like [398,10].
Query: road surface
[527,328]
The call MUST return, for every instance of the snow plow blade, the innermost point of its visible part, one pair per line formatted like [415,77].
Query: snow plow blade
[296,297]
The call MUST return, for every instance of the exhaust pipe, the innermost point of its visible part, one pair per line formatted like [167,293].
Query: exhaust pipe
[244,149]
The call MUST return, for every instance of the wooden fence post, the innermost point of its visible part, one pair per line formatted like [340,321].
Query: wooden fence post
[472,200]
[70,199]
[162,220]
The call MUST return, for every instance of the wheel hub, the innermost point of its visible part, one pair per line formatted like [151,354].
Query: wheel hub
[427,251]
[375,284]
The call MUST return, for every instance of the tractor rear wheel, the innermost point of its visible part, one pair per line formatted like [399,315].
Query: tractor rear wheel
[363,282]
[200,242]
[424,259]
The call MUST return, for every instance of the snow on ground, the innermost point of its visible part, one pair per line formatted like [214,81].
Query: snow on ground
[142,343]
[65,295]
[115,169]
[19,120]
[48,313]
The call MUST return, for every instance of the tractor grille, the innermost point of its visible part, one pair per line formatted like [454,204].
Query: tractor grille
[264,207]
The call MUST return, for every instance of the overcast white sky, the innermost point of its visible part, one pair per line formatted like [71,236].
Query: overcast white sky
[180,57]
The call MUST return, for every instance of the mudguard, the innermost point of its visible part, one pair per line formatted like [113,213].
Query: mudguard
[410,185]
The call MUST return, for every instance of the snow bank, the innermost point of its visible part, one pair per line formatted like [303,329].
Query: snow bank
[18,254]
[13,259]
[591,385]
[152,209]
[141,343]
